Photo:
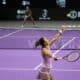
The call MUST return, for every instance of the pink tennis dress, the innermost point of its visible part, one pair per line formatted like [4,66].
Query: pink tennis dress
[44,69]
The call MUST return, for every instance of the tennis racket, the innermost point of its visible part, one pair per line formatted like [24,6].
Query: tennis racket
[72,56]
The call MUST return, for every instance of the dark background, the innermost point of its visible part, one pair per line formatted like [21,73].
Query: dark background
[8,12]
[41,3]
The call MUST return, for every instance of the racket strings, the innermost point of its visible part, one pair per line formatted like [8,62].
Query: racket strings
[73,57]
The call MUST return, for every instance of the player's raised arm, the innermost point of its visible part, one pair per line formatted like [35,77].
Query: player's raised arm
[55,38]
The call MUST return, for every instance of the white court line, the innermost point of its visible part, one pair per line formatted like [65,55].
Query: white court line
[38,28]
[57,51]
[4,36]
[34,37]
[24,69]
[29,28]
[65,69]
[31,69]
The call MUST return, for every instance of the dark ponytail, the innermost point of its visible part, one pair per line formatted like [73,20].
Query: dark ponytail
[40,42]
[37,43]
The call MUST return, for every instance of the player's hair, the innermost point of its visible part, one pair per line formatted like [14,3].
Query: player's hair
[40,42]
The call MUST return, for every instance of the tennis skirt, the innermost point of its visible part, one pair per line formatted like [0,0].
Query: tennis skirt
[44,72]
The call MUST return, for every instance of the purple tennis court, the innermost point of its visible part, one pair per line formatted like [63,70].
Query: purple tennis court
[19,60]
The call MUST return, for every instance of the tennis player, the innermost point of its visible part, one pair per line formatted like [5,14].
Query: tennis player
[28,14]
[47,56]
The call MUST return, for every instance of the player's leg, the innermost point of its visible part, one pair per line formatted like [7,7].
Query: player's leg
[34,23]
[51,77]
[25,18]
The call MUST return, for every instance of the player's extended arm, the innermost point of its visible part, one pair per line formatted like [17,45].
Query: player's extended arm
[56,37]
[51,55]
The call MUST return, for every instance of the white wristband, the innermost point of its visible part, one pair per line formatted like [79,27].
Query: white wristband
[60,31]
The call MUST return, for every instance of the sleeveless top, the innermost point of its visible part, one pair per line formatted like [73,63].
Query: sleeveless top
[47,62]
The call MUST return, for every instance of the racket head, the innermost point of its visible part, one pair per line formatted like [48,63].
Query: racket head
[72,56]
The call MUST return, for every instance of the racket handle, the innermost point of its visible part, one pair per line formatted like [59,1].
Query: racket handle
[60,58]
